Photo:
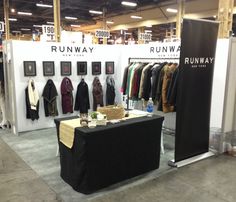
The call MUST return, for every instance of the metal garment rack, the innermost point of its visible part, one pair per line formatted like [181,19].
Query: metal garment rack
[158,60]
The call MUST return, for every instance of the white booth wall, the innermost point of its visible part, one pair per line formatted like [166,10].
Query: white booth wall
[19,51]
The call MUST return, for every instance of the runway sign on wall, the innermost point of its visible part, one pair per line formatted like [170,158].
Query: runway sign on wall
[197,57]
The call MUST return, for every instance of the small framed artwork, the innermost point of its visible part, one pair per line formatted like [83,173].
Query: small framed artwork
[96,68]
[110,67]
[48,68]
[29,68]
[65,68]
[81,68]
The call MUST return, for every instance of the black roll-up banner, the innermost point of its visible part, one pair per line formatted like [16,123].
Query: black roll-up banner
[197,57]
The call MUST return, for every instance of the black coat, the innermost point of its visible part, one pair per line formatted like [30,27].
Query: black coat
[110,92]
[82,97]
[50,99]
[30,113]
[155,76]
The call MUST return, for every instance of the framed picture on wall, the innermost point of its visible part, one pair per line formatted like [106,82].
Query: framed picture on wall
[48,68]
[30,68]
[81,68]
[96,68]
[65,68]
[110,67]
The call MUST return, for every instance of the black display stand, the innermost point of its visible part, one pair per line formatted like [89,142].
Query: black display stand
[198,45]
[109,154]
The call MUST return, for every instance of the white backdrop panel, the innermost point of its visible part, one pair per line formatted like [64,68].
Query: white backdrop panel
[39,52]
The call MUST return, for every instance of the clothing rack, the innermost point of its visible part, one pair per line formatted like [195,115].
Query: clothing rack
[168,118]
[139,59]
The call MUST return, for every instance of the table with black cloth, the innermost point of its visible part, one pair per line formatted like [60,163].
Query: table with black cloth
[108,154]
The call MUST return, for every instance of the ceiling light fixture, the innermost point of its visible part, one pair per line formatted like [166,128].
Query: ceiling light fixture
[25,29]
[37,25]
[44,5]
[110,22]
[95,12]
[12,19]
[75,25]
[13,10]
[149,26]
[24,13]
[128,3]
[50,23]
[70,18]
[172,10]
[148,31]
[136,17]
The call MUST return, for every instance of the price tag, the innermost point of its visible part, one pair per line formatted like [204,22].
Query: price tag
[1,26]
[99,33]
[48,32]
[145,36]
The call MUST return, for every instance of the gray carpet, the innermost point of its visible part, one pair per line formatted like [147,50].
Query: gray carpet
[38,150]
[18,182]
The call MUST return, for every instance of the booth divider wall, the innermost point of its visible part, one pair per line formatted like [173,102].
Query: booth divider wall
[18,51]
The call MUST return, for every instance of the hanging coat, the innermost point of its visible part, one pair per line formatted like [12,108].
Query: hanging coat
[82,97]
[32,101]
[110,91]
[97,93]
[50,99]
[67,95]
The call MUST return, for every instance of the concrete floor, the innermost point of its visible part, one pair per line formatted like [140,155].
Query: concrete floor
[37,178]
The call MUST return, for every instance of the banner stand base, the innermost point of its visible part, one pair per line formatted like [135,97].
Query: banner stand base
[194,159]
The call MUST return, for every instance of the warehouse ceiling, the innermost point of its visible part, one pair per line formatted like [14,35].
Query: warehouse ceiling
[72,8]
[114,10]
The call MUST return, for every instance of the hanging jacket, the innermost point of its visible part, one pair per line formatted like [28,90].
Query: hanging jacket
[50,99]
[155,76]
[82,97]
[97,93]
[67,95]
[110,91]
[32,101]
[168,73]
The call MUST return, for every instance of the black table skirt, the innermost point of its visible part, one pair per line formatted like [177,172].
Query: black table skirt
[109,154]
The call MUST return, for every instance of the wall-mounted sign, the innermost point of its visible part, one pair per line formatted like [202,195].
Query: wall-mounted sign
[48,32]
[1,26]
[145,36]
[99,33]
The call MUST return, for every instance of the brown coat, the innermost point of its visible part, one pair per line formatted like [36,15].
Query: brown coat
[168,72]
[97,93]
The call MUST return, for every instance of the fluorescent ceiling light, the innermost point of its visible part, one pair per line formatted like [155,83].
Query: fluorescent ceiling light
[110,22]
[95,12]
[127,3]
[23,13]
[148,25]
[44,5]
[37,25]
[172,10]
[148,31]
[25,29]
[136,17]
[75,25]
[128,33]
[12,19]
[214,16]
[13,10]
[70,18]
[50,23]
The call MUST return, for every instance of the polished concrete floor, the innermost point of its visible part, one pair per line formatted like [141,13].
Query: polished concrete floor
[30,171]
